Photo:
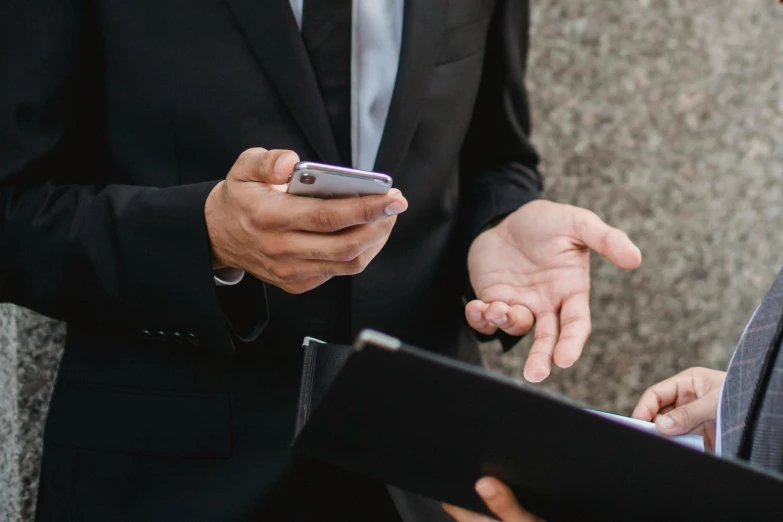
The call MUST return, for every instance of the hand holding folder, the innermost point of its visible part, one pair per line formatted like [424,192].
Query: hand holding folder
[432,425]
[499,499]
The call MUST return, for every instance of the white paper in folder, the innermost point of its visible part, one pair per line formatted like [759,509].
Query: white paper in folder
[692,441]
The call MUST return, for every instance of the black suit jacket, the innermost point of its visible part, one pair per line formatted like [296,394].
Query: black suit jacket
[176,399]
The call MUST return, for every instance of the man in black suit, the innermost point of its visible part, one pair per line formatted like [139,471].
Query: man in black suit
[187,295]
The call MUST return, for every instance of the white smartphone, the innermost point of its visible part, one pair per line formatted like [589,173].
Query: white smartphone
[317,180]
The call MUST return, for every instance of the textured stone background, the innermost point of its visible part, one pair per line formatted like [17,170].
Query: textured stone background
[9,428]
[662,116]
[30,349]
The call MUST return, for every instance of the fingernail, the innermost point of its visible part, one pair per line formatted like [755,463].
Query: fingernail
[665,422]
[474,316]
[394,208]
[486,489]
[395,192]
[500,321]
[281,161]
[535,374]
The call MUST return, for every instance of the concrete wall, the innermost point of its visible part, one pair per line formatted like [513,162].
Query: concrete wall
[665,118]
[662,116]
[30,349]
[9,413]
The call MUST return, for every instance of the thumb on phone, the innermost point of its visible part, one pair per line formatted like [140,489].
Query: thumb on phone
[265,166]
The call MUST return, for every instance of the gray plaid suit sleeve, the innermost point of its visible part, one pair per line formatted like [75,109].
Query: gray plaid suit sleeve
[752,402]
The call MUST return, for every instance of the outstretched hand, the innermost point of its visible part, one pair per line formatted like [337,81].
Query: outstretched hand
[534,267]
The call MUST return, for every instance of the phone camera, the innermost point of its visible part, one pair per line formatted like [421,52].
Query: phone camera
[307,179]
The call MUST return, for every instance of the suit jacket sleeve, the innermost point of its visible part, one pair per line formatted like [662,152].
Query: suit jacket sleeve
[75,246]
[499,166]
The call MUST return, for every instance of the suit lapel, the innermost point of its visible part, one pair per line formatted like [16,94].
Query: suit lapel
[271,31]
[421,34]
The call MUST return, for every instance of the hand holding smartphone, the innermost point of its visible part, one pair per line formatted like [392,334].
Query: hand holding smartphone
[318,180]
[293,243]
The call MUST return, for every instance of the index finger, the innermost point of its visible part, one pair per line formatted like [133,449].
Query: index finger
[657,397]
[331,215]
[610,242]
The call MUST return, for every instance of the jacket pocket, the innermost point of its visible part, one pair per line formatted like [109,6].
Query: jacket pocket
[141,422]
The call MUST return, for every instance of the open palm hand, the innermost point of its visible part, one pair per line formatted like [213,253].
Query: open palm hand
[534,267]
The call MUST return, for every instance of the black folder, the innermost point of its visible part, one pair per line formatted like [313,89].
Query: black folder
[433,425]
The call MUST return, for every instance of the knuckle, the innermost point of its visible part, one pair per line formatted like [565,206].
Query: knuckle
[324,219]
[522,315]
[250,155]
[573,321]
[276,271]
[284,271]
[243,157]
[274,247]
[317,253]
[349,249]
[368,213]
[327,272]
[357,265]
[649,393]
[543,336]
[258,215]
[261,159]
[541,354]
[682,416]
[263,223]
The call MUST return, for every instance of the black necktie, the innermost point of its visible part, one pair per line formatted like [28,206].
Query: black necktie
[326,30]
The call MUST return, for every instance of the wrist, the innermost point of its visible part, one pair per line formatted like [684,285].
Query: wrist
[212,218]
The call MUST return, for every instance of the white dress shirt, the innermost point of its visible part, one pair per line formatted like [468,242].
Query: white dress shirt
[375,54]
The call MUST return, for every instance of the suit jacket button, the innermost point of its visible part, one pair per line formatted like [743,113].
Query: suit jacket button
[162,336]
[147,335]
[193,339]
[178,338]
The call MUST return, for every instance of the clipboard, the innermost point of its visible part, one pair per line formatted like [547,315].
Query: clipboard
[433,425]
